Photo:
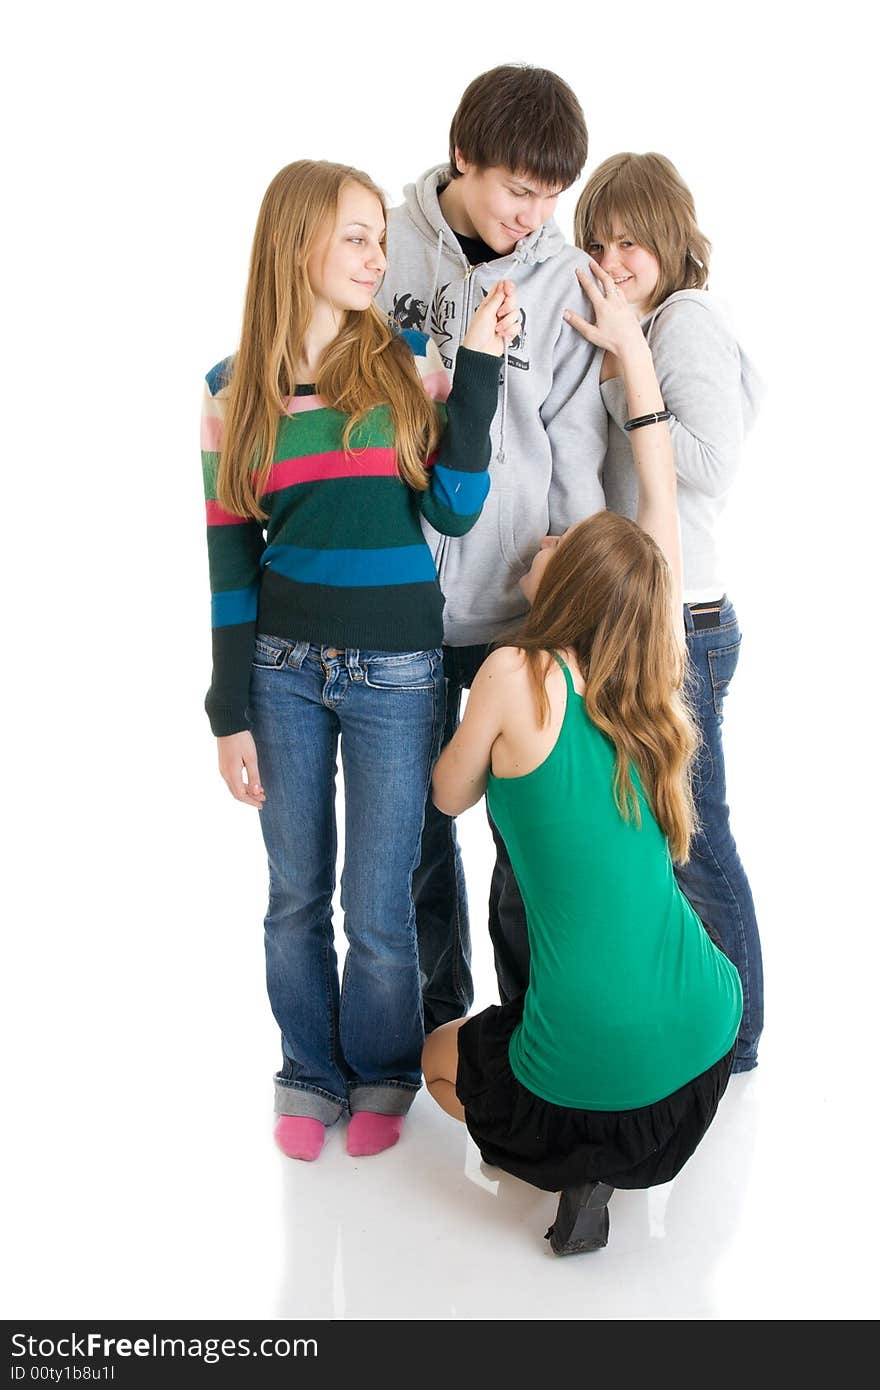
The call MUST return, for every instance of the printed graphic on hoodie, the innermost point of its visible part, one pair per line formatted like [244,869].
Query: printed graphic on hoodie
[410,312]
[517,346]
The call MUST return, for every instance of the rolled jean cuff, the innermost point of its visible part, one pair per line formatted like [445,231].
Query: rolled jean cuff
[388,1098]
[307,1101]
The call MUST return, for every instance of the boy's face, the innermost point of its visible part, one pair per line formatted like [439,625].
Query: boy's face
[501,206]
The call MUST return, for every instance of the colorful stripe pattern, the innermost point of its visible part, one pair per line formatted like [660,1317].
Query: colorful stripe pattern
[341,558]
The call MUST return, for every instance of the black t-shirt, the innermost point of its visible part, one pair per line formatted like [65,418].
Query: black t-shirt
[476,250]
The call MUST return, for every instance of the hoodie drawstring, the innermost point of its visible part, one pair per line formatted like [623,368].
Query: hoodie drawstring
[436,275]
[500,454]
[437,264]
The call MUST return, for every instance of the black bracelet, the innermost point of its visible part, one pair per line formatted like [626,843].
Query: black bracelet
[652,419]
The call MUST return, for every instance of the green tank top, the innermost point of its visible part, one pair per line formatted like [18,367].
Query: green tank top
[628,997]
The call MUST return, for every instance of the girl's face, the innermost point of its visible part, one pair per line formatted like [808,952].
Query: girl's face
[531,580]
[634,269]
[346,266]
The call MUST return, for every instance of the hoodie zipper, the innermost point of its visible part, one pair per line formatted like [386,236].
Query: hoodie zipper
[467,300]
[465,304]
[465,319]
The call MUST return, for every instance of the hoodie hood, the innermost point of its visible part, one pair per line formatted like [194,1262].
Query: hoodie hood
[423,204]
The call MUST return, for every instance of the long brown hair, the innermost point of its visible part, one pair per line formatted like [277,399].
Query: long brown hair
[367,364]
[646,194]
[606,594]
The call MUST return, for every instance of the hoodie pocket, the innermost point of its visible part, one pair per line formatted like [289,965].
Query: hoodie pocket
[520,534]
[507,531]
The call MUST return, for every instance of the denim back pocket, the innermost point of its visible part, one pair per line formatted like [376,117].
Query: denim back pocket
[402,671]
[722,664]
[269,652]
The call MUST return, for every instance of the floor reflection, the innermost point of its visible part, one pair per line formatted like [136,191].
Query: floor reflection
[429,1231]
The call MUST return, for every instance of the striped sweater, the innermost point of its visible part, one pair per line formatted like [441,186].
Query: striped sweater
[341,558]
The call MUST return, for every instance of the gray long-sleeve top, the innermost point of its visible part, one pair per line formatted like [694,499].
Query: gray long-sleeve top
[713,391]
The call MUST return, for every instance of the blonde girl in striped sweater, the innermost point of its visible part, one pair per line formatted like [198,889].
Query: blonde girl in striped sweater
[324,444]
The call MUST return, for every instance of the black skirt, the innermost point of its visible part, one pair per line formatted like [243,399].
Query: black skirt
[553,1146]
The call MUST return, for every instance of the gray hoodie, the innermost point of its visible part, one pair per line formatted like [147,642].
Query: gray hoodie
[549,435]
[713,391]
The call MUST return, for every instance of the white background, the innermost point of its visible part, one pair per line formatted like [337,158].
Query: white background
[139,143]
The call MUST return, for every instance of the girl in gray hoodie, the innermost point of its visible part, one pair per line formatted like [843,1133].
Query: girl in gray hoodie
[636,218]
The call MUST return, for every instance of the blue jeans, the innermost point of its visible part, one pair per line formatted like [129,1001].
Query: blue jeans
[441,895]
[714,880]
[358,1047]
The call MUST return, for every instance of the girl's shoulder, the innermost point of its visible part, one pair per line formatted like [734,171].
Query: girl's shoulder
[429,363]
[690,312]
[508,662]
[689,330]
[509,668]
[503,678]
[529,726]
[220,375]
[514,660]
[416,342]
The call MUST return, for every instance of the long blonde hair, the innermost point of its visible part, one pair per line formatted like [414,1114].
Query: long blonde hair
[648,196]
[366,365]
[606,594]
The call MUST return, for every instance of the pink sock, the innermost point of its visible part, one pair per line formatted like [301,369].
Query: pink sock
[299,1137]
[370,1134]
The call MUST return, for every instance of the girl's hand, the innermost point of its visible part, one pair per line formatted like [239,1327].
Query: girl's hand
[237,754]
[496,322]
[617,328]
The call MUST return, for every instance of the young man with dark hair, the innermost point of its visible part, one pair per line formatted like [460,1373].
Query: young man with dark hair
[517,140]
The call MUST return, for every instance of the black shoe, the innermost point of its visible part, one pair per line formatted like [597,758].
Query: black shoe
[582,1219]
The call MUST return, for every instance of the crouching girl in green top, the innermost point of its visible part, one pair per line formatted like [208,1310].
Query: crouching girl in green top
[609,1069]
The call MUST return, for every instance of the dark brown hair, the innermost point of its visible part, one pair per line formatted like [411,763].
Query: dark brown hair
[646,194]
[526,119]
